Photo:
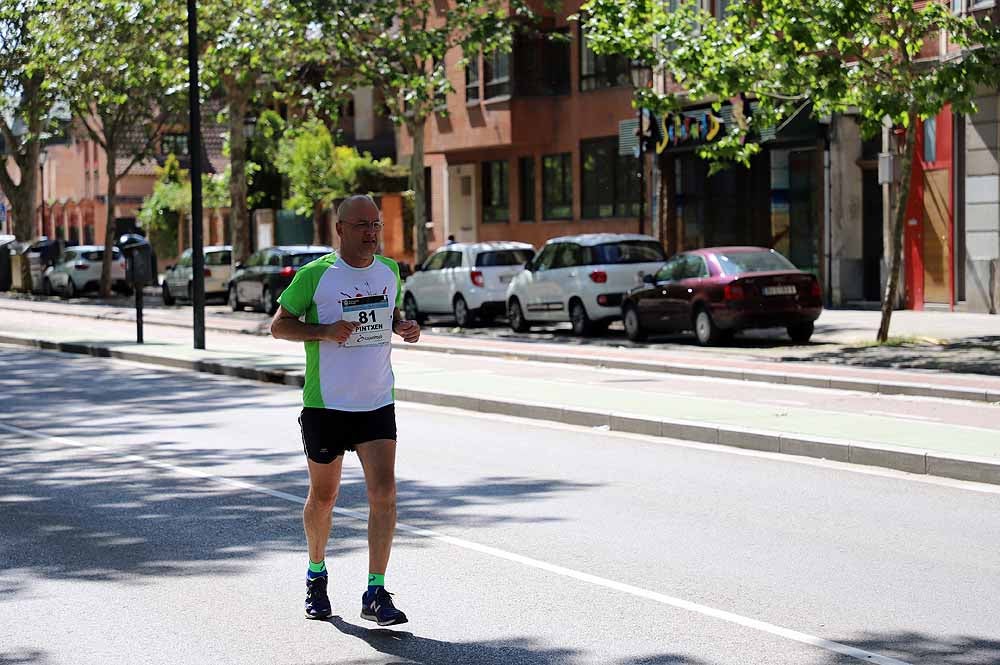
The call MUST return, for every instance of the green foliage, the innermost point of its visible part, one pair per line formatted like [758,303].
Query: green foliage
[318,171]
[264,180]
[171,199]
[380,177]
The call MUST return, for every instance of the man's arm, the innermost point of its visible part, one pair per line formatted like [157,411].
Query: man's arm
[408,330]
[286,325]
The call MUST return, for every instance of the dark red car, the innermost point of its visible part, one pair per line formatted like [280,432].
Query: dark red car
[721,290]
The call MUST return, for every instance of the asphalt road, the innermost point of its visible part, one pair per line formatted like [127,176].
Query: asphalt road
[153,516]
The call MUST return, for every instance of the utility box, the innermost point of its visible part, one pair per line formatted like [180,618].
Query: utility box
[138,263]
[888,168]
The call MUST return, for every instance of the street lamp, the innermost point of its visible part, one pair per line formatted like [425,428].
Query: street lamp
[642,77]
[194,141]
[43,157]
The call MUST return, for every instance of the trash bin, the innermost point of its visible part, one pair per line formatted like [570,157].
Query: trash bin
[138,260]
[6,279]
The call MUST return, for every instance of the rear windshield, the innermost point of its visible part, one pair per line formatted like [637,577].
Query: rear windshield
[735,263]
[98,254]
[298,260]
[627,251]
[504,257]
[218,258]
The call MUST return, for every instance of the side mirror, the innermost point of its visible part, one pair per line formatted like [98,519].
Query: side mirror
[649,279]
[239,265]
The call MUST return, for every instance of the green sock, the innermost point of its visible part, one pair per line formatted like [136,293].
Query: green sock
[374,579]
[317,567]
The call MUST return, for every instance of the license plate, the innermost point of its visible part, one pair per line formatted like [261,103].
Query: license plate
[788,290]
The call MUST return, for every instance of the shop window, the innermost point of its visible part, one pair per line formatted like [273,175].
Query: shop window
[557,186]
[496,202]
[526,173]
[496,68]
[601,71]
[609,181]
[930,140]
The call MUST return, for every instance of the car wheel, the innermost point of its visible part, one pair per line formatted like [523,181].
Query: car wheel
[168,298]
[705,329]
[463,315]
[633,326]
[269,301]
[582,325]
[234,300]
[411,310]
[46,287]
[801,332]
[515,316]
[190,293]
[70,288]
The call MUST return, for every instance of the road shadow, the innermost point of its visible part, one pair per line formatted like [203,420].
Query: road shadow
[973,355]
[23,657]
[97,514]
[412,648]
[919,648]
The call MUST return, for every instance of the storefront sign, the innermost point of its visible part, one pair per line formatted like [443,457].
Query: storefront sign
[678,129]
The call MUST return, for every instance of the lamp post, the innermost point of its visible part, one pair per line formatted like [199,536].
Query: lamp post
[642,77]
[43,156]
[197,232]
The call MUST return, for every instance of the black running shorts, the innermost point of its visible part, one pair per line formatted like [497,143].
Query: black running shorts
[327,433]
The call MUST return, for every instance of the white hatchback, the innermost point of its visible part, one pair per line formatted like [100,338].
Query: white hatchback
[466,280]
[178,279]
[79,270]
[581,279]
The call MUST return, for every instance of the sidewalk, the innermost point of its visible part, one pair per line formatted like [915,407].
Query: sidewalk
[843,368]
[575,394]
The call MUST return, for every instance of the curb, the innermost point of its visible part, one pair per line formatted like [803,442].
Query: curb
[910,460]
[817,380]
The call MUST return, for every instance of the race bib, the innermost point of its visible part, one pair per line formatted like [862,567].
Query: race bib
[374,318]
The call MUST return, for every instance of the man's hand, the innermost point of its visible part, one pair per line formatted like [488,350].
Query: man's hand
[339,331]
[408,330]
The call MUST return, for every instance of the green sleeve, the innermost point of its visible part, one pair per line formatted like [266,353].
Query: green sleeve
[298,297]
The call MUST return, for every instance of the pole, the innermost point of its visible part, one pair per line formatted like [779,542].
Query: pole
[197,248]
[642,179]
[41,183]
[138,309]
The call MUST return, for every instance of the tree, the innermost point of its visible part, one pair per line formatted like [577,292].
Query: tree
[249,47]
[399,47]
[31,87]
[124,60]
[319,172]
[876,56]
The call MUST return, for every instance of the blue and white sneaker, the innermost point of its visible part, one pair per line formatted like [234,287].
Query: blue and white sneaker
[317,602]
[377,606]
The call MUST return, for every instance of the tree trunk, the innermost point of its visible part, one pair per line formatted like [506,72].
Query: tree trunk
[417,185]
[896,258]
[319,224]
[239,216]
[22,204]
[109,227]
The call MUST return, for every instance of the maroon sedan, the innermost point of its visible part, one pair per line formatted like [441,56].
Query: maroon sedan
[721,290]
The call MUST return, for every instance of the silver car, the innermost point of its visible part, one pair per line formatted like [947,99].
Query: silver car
[79,270]
[177,280]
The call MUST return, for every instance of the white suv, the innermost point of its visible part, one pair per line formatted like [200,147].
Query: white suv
[581,279]
[79,270]
[467,280]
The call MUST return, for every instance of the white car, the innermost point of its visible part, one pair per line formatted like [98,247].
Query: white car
[79,269]
[581,279]
[177,280]
[466,280]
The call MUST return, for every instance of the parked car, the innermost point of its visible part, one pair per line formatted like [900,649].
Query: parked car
[467,280]
[78,269]
[581,279]
[719,291]
[178,279]
[267,273]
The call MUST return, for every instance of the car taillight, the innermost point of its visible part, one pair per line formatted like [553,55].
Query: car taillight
[599,277]
[208,272]
[734,292]
[287,271]
[816,292]
[478,279]
[81,266]
[602,300]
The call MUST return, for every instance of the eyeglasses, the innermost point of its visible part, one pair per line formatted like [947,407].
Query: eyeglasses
[373,225]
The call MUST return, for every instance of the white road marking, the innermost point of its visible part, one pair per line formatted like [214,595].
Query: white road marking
[786,402]
[722,615]
[907,416]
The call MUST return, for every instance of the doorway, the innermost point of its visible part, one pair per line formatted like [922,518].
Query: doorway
[936,250]
[872,242]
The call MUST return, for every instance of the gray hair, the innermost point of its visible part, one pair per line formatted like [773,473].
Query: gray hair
[347,204]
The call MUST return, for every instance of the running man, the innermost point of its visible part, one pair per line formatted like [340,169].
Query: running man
[345,308]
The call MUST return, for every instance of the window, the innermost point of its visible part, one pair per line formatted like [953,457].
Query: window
[541,65]
[504,257]
[496,201]
[694,267]
[472,80]
[544,260]
[436,262]
[569,256]
[736,263]
[299,260]
[176,144]
[274,260]
[496,66]
[452,259]
[723,6]
[626,251]
[601,71]
[217,258]
[185,259]
[930,139]
[526,173]
[557,186]
[672,270]
[610,182]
